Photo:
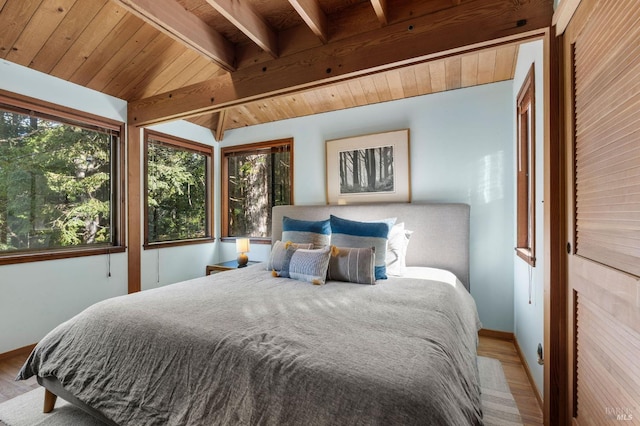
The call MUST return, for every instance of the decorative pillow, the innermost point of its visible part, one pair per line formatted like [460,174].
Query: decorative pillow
[354,265]
[397,250]
[306,231]
[305,265]
[351,233]
[279,251]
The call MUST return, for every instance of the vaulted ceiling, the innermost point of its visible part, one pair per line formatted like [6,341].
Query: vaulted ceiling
[225,64]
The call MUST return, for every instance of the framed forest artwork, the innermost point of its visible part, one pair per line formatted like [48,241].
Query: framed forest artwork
[369,168]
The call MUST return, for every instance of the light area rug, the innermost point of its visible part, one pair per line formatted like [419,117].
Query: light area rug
[499,407]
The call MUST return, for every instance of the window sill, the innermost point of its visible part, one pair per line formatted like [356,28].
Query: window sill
[526,254]
[253,240]
[165,244]
[38,256]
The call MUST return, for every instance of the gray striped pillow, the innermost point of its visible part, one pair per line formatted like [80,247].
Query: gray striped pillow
[355,265]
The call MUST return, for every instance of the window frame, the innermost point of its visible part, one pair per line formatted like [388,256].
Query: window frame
[188,145]
[46,110]
[256,148]
[526,177]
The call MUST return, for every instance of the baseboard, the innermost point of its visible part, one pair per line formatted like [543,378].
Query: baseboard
[20,351]
[525,364]
[495,334]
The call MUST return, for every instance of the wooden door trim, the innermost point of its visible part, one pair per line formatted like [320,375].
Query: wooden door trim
[555,394]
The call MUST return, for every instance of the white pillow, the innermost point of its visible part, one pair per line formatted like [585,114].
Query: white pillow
[397,250]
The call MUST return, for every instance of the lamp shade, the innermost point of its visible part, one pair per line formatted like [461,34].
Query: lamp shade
[242,245]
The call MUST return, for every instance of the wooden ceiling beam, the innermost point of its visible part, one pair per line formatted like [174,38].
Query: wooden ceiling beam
[380,6]
[243,17]
[181,25]
[474,23]
[222,121]
[313,16]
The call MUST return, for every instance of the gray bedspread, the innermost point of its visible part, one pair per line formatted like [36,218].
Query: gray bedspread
[242,347]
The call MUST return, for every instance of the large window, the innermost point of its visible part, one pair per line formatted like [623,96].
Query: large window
[255,178]
[178,191]
[526,170]
[59,185]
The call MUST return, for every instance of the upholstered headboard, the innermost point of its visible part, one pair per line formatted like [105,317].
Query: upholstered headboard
[441,231]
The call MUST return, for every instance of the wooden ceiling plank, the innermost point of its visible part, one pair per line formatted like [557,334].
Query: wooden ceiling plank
[266,110]
[438,74]
[409,83]
[206,73]
[189,74]
[14,18]
[120,57]
[394,81]
[357,92]
[107,50]
[370,90]
[299,104]
[486,66]
[158,56]
[382,87]
[72,25]
[441,33]
[334,97]
[41,26]
[209,121]
[453,70]
[168,17]
[167,80]
[470,70]
[380,7]
[83,47]
[313,16]
[249,116]
[423,78]
[282,107]
[345,93]
[311,99]
[243,17]
[504,63]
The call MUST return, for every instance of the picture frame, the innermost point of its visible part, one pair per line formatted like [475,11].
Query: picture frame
[369,168]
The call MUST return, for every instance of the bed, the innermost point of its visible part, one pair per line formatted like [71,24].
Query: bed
[249,347]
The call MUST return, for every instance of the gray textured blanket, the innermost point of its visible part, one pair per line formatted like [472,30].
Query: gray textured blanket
[243,347]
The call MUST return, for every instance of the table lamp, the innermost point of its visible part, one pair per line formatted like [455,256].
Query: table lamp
[242,247]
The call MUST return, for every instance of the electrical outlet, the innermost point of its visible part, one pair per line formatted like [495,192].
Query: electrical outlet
[540,354]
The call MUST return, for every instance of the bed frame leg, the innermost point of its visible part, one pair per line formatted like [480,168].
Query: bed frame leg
[49,401]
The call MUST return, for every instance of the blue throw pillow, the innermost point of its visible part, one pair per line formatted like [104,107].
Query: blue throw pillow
[299,231]
[351,233]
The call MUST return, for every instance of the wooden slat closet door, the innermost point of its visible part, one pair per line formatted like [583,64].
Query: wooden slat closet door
[601,62]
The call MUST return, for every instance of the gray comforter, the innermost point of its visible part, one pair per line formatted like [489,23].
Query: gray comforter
[243,347]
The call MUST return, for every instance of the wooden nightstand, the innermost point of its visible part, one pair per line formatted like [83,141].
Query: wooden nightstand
[226,266]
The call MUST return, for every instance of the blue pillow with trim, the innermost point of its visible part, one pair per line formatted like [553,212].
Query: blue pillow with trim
[298,231]
[351,233]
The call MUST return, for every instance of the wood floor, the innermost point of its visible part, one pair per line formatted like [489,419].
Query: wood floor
[521,389]
[502,350]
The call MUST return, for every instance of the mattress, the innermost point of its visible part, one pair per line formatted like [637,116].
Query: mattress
[244,347]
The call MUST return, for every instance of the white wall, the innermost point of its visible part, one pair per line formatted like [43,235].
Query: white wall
[528,281]
[461,151]
[36,297]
